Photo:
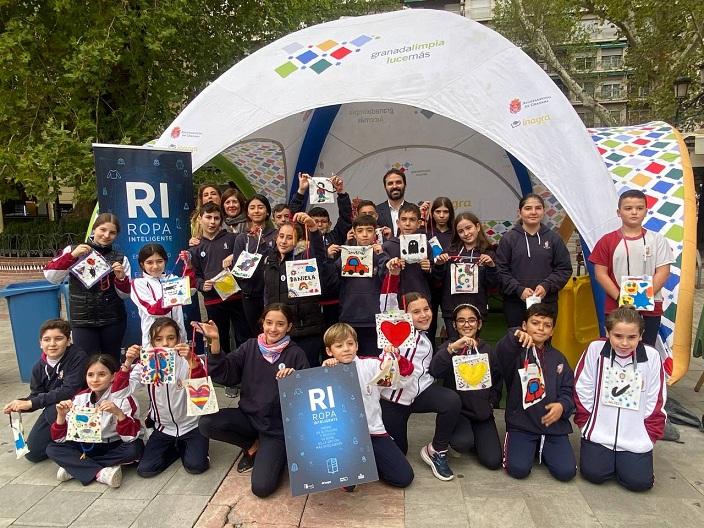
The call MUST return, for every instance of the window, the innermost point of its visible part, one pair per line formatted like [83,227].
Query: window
[611,90]
[588,87]
[587,117]
[616,116]
[585,63]
[611,62]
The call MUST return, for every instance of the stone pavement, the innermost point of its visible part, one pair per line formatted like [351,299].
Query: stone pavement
[30,496]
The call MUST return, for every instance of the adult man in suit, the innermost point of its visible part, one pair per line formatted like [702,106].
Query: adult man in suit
[395,187]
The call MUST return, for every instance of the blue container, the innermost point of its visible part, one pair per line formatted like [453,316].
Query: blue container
[30,304]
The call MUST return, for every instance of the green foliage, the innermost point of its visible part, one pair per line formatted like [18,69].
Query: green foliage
[44,226]
[74,72]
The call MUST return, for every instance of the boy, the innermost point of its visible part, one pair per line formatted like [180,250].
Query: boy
[633,250]
[412,277]
[282,214]
[539,401]
[341,345]
[359,296]
[206,259]
[58,375]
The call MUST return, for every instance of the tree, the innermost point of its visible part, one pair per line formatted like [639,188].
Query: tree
[665,41]
[74,72]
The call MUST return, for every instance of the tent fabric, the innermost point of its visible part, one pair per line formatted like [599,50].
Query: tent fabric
[442,63]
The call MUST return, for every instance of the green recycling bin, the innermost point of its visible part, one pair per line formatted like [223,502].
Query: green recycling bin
[30,304]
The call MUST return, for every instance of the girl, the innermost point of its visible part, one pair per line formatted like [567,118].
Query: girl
[233,207]
[418,393]
[620,397]
[532,261]
[147,291]
[175,434]
[258,240]
[307,314]
[119,426]
[440,226]
[469,254]
[97,314]
[207,193]
[256,425]
[476,428]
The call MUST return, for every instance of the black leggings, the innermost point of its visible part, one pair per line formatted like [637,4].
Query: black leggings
[233,426]
[106,339]
[435,399]
[479,436]
[224,313]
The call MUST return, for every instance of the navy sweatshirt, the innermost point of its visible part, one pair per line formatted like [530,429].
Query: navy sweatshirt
[559,386]
[412,278]
[359,296]
[488,278]
[50,385]
[476,405]
[526,261]
[206,259]
[254,287]
[259,389]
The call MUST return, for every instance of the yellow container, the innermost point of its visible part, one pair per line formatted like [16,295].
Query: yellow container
[577,324]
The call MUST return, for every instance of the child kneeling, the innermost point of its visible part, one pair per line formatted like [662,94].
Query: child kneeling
[539,382]
[341,345]
[120,430]
[620,397]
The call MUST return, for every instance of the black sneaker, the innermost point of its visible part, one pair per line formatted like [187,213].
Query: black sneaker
[438,463]
[246,462]
[232,392]
[349,489]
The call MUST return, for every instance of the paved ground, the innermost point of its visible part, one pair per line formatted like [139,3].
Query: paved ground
[31,497]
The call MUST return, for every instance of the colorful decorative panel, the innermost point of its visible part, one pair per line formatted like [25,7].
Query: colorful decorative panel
[264,165]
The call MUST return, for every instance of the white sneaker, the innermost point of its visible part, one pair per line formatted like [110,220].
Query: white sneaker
[111,476]
[62,475]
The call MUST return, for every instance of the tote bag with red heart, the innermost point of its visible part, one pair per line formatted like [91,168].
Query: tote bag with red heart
[395,329]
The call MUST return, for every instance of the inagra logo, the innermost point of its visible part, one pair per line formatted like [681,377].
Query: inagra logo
[175,132]
[515,106]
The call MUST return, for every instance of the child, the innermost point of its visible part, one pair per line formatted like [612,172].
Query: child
[308,323]
[633,250]
[57,376]
[282,214]
[147,291]
[359,296]
[618,434]
[412,277]
[97,314]
[175,434]
[120,430]
[537,412]
[532,261]
[341,345]
[476,428]
[469,246]
[207,193]
[439,226]
[256,425]
[207,258]
[233,206]
[419,394]
[258,240]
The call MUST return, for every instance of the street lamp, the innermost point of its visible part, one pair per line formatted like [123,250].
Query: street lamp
[681,86]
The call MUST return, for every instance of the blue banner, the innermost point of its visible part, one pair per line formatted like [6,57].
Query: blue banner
[151,192]
[327,437]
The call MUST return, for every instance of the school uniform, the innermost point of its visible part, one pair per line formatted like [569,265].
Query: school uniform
[253,288]
[391,463]
[642,255]
[175,434]
[412,278]
[617,438]
[359,303]
[525,434]
[418,393]
[487,277]
[259,413]
[121,441]
[527,261]
[436,283]
[147,293]
[476,428]
[206,260]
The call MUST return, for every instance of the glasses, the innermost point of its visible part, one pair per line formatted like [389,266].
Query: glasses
[466,322]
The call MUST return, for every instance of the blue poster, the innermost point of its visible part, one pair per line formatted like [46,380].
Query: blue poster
[151,192]
[327,438]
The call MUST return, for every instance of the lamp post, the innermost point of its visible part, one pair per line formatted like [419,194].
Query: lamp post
[681,89]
